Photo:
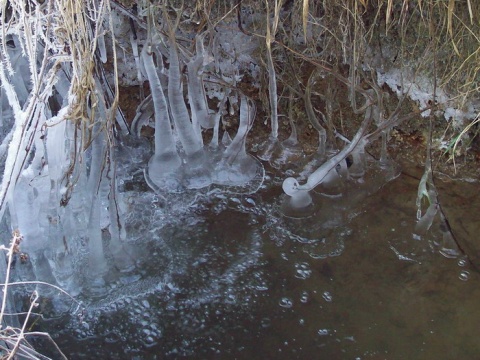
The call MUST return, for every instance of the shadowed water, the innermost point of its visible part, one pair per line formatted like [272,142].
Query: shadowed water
[228,276]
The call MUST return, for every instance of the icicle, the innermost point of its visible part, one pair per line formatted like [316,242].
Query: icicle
[165,147]
[22,73]
[378,116]
[123,260]
[164,164]
[272,84]
[449,246]
[190,141]
[16,157]
[217,118]
[425,222]
[426,189]
[271,144]
[237,167]
[289,150]
[63,88]
[197,168]
[322,143]
[322,134]
[233,103]
[26,216]
[102,49]
[56,151]
[201,114]
[226,139]
[198,115]
[161,72]
[236,150]
[384,159]
[96,253]
[133,41]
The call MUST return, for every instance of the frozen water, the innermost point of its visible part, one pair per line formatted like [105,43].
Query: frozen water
[236,166]
[163,167]
[189,137]
[420,89]
[170,170]
[201,114]
[290,150]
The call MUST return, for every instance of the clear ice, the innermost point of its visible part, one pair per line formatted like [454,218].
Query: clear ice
[163,167]
[236,166]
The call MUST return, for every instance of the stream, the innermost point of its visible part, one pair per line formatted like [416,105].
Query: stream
[226,276]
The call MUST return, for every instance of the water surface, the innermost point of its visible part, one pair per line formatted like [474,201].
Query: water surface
[229,277]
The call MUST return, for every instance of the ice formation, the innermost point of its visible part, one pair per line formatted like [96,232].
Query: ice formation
[347,167]
[201,114]
[165,163]
[237,167]
[58,187]
[187,163]
[68,194]
[290,150]
[419,88]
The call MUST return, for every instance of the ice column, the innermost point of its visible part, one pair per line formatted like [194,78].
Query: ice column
[97,261]
[201,114]
[165,162]
[237,167]
[197,167]
[322,134]
[290,150]
[191,142]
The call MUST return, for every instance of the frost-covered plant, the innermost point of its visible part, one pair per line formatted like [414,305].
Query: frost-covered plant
[59,160]
[57,42]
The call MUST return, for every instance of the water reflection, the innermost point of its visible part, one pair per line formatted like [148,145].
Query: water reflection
[231,278]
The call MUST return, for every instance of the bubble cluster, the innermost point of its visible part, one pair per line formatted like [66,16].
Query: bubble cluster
[302,270]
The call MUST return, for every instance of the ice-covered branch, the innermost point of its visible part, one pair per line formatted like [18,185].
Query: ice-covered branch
[291,185]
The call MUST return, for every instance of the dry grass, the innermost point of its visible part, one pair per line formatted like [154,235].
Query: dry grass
[14,341]
[57,40]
